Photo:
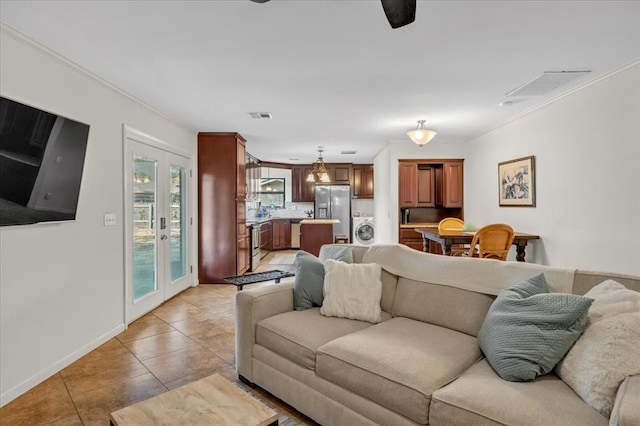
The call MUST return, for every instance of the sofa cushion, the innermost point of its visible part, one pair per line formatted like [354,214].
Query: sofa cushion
[309,279]
[440,305]
[528,330]
[398,363]
[608,350]
[480,397]
[352,291]
[389,280]
[296,335]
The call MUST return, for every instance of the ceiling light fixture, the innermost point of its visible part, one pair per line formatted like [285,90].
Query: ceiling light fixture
[319,171]
[421,135]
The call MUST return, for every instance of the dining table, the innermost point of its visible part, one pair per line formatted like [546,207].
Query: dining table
[447,237]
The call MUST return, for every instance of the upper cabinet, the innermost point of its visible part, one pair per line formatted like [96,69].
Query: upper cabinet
[339,173]
[408,184]
[302,191]
[359,176]
[362,181]
[452,183]
[431,183]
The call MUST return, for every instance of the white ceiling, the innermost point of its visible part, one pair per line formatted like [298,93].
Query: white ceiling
[332,73]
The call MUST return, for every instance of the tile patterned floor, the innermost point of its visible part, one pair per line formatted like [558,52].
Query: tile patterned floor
[187,338]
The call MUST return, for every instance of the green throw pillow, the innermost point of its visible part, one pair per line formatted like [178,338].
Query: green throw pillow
[528,330]
[309,280]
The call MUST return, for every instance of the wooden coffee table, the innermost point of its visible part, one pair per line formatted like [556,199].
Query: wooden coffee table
[210,401]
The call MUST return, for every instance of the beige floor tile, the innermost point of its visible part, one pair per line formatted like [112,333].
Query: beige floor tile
[224,370]
[152,346]
[87,373]
[174,365]
[95,406]
[176,310]
[47,402]
[198,325]
[69,421]
[111,377]
[223,345]
[149,325]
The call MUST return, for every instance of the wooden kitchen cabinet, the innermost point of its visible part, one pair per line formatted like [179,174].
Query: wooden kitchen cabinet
[301,190]
[313,236]
[411,238]
[426,193]
[281,234]
[362,181]
[265,239]
[452,184]
[431,183]
[408,184]
[339,173]
[223,240]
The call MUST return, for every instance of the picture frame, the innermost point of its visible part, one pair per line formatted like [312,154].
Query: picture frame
[517,182]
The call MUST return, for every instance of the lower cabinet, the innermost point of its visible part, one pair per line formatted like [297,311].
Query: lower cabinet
[314,236]
[265,239]
[244,255]
[411,238]
[281,234]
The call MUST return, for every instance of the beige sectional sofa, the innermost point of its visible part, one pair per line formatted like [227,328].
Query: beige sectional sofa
[422,363]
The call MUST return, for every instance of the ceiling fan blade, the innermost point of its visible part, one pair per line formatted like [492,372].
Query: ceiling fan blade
[399,12]
[259,1]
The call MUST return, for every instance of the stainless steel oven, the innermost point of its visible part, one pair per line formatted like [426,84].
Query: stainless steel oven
[255,246]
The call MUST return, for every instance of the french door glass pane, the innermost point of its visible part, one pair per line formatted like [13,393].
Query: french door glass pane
[178,226]
[144,229]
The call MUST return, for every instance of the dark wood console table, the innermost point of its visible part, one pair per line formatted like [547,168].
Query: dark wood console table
[449,237]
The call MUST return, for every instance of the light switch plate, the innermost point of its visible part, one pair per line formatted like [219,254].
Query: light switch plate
[109,219]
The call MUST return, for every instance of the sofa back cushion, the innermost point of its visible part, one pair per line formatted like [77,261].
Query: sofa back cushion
[446,306]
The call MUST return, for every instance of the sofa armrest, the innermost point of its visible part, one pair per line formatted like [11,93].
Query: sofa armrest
[626,410]
[252,306]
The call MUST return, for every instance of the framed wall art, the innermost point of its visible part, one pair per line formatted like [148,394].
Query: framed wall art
[517,183]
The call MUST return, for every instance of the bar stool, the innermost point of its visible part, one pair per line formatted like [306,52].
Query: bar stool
[341,239]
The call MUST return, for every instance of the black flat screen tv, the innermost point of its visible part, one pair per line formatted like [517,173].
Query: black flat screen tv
[41,162]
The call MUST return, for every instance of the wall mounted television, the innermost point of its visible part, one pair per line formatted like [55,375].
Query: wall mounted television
[41,162]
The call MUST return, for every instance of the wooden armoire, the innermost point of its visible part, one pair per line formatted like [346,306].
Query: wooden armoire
[223,239]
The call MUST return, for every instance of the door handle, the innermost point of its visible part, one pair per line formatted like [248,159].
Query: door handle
[163,223]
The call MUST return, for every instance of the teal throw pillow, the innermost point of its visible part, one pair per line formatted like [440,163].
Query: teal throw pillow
[528,330]
[309,280]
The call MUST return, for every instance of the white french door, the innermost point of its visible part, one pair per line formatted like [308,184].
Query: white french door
[158,225]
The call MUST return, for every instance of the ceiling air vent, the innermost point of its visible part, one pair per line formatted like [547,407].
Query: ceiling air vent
[260,115]
[545,83]
[348,152]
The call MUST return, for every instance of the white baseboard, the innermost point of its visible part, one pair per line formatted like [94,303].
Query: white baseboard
[11,394]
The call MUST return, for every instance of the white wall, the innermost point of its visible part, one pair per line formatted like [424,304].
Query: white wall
[61,285]
[587,149]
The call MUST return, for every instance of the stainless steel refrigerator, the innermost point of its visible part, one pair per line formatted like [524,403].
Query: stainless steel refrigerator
[334,202]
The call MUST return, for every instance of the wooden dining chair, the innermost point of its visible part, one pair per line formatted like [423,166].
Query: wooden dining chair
[453,224]
[492,242]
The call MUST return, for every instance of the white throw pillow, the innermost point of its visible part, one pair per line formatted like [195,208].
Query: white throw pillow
[607,352]
[352,291]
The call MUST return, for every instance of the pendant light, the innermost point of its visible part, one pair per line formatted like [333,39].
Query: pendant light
[319,170]
[421,135]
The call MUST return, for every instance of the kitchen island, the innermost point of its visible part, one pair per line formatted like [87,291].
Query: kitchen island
[314,233]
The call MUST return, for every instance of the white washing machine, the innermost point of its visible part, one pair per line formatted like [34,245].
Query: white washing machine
[364,231]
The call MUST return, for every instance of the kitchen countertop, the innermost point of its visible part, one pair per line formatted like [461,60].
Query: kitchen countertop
[269,219]
[319,222]
[418,225]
